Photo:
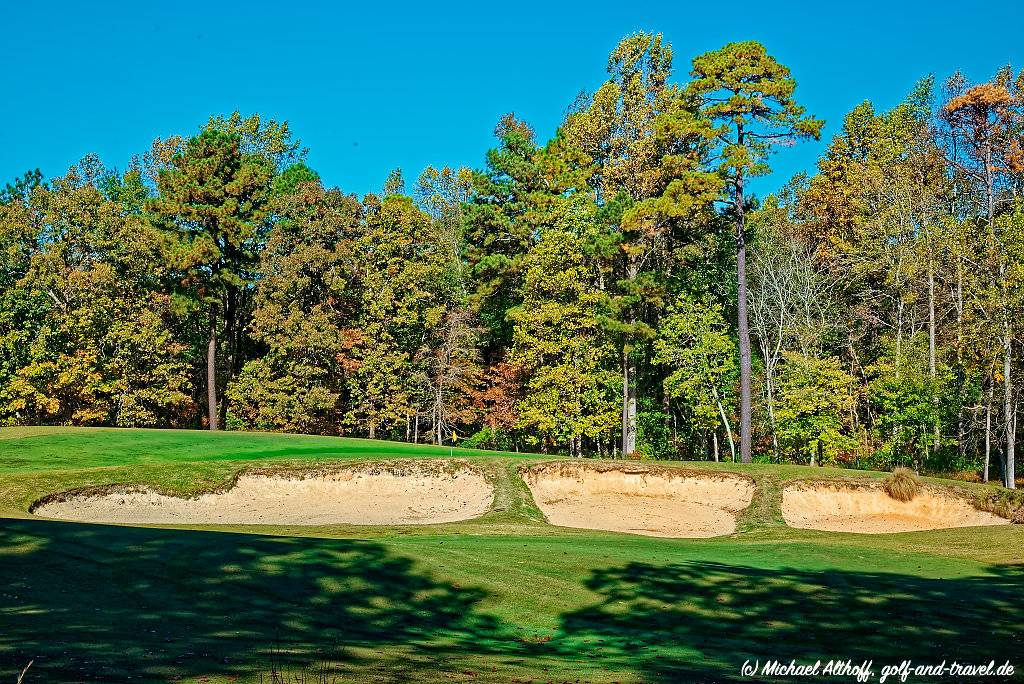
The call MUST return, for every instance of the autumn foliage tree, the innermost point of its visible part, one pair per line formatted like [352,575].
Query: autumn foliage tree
[616,290]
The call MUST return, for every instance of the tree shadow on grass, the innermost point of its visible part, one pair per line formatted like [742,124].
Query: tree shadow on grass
[94,602]
[101,603]
[700,621]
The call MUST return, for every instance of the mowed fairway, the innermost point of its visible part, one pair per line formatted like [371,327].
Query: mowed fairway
[503,598]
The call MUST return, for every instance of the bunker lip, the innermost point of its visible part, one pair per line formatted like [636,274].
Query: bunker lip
[865,508]
[638,498]
[367,493]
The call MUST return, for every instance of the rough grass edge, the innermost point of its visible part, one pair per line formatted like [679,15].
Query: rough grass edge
[1006,503]
[569,467]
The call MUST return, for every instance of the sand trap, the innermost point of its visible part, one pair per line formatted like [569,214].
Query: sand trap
[867,509]
[411,493]
[642,500]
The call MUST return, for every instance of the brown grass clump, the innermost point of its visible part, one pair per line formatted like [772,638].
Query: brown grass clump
[903,485]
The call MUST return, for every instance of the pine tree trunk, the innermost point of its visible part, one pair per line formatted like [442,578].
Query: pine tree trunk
[231,348]
[746,435]
[211,369]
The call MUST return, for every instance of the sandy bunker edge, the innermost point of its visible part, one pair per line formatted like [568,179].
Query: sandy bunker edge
[639,498]
[405,492]
[865,508]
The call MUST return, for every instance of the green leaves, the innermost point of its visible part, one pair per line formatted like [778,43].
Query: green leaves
[700,356]
[561,347]
[748,95]
[815,398]
[212,201]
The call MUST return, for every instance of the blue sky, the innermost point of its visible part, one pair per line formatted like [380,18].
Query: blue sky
[375,85]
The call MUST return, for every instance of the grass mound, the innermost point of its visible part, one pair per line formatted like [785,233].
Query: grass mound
[903,485]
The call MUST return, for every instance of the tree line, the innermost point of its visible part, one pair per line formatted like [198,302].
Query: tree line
[616,290]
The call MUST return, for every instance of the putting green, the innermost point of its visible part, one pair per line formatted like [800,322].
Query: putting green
[503,597]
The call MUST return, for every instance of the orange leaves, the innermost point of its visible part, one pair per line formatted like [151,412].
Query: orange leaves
[981,100]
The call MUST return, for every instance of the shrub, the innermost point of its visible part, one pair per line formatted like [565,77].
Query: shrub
[902,485]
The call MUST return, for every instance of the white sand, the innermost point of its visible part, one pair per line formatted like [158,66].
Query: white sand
[360,495]
[633,498]
[869,510]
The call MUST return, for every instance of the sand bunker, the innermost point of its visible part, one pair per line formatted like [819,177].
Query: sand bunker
[867,509]
[410,493]
[632,498]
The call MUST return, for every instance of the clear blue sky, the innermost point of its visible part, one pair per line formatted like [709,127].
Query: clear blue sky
[375,85]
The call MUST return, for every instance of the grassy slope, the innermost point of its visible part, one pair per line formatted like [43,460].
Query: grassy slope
[500,598]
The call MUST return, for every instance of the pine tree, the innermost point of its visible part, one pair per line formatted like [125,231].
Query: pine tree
[749,96]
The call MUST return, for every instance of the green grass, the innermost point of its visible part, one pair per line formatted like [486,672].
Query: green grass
[502,598]
[30,449]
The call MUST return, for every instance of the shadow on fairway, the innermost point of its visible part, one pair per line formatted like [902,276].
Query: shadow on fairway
[101,602]
[700,621]
[94,602]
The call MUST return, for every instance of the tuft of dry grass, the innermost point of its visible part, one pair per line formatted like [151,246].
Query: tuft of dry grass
[902,485]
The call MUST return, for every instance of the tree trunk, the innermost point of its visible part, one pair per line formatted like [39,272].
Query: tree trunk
[714,441]
[666,411]
[1008,409]
[932,367]
[231,346]
[960,421]
[211,370]
[725,422]
[988,428]
[744,325]
[628,404]
[438,433]
[770,400]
